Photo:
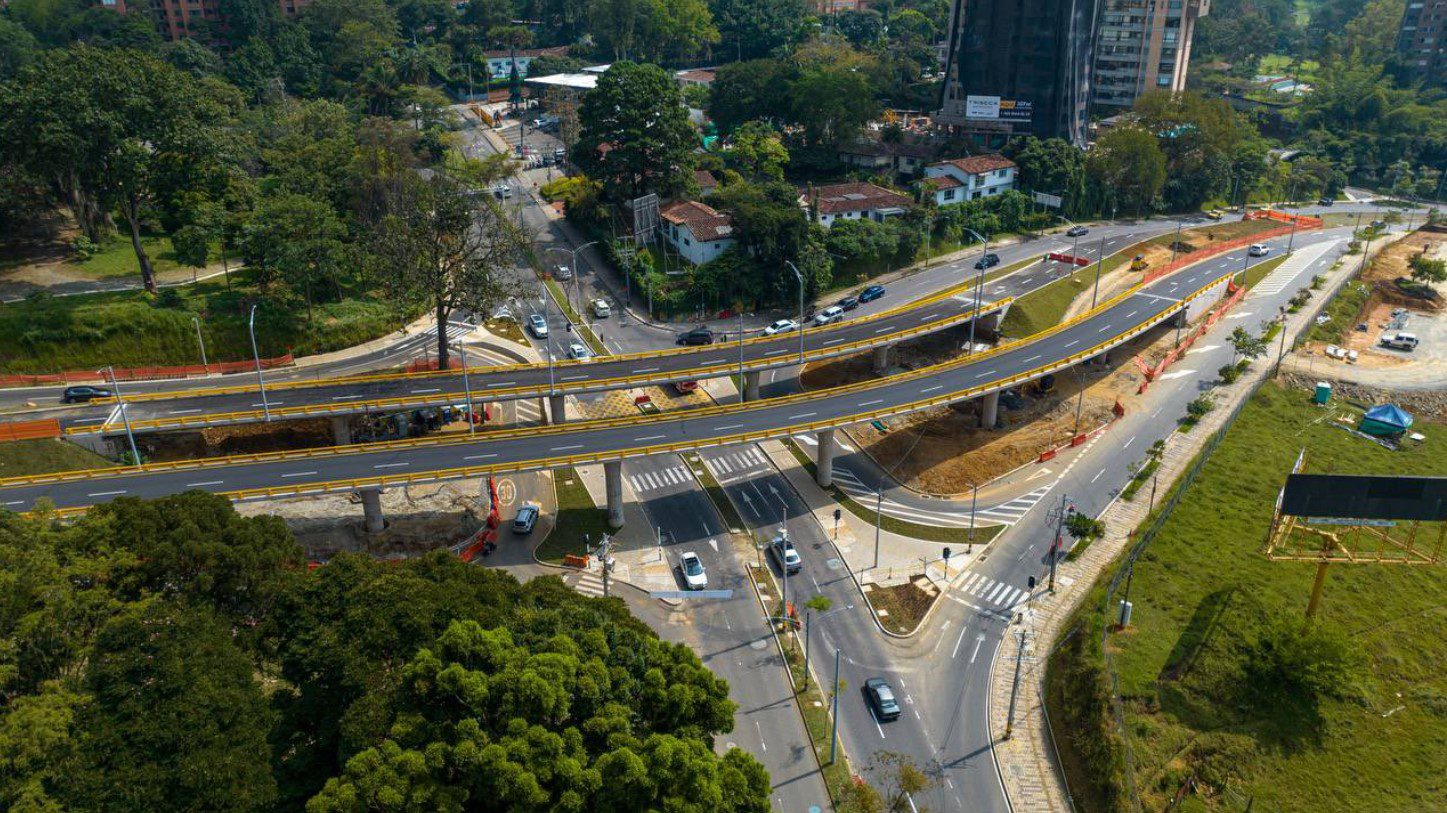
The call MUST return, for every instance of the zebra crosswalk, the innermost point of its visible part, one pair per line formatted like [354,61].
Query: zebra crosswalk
[646,481]
[992,596]
[1287,272]
[1007,513]
[728,466]
[589,584]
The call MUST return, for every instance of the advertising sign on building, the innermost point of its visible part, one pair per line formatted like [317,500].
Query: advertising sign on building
[993,108]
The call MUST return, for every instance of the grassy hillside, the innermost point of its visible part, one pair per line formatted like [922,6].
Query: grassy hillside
[1207,606]
[22,457]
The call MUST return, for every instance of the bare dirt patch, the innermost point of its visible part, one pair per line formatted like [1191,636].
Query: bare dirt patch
[901,607]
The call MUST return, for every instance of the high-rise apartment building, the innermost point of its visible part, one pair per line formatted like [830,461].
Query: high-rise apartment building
[1422,40]
[178,19]
[1016,67]
[1142,45]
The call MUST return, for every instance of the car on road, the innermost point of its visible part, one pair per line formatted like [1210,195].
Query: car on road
[82,394]
[694,576]
[563,273]
[502,191]
[783,551]
[1325,202]
[525,520]
[781,326]
[697,336]
[601,309]
[988,261]
[578,350]
[881,699]
[848,303]
[829,315]
[1259,250]
[1076,231]
[1214,214]
[538,325]
[871,293]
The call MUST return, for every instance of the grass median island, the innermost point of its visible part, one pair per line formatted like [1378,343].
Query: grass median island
[133,328]
[19,458]
[1218,681]
[578,522]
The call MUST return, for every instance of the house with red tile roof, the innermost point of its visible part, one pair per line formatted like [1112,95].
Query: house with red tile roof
[852,201]
[977,176]
[698,231]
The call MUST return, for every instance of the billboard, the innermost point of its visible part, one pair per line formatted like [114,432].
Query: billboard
[1357,498]
[994,108]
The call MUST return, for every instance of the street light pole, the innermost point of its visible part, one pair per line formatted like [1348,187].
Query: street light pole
[1174,243]
[979,284]
[974,498]
[878,519]
[467,387]
[800,278]
[197,322]
[552,388]
[743,386]
[834,713]
[256,355]
[125,417]
[1099,263]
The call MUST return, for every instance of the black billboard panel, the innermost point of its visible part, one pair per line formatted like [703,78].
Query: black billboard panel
[1351,496]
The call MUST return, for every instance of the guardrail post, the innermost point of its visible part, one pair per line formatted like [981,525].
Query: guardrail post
[751,386]
[341,431]
[881,359]
[372,509]
[824,465]
[613,485]
[990,410]
[557,409]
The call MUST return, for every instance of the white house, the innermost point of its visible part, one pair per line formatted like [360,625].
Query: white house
[962,179]
[699,232]
[500,63]
[852,201]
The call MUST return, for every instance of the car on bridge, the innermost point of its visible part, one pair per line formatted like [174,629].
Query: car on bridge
[871,293]
[82,394]
[829,315]
[697,336]
[538,325]
[781,326]
[881,699]
[786,555]
[694,576]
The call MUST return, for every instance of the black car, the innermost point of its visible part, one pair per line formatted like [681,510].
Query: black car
[881,699]
[988,261]
[1325,202]
[699,335]
[871,293]
[80,395]
[1076,231]
[848,303]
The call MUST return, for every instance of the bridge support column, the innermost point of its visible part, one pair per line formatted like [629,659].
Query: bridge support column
[990,410]
[824,463]
[751,386]
[557,409]
[543,409]
[341,431]
[613,485]
[372,509]
[881,360]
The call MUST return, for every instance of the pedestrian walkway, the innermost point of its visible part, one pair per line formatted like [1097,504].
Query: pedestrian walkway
[1007,513]
[588,583]
[741,464]
[647,481]
[1288,271]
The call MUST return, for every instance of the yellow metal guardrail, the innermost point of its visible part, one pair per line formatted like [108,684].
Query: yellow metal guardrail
[514,393]
[408,478]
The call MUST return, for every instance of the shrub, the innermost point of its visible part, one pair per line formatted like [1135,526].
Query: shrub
[170,298]
[1229,373]
[84,247]
[1297,658]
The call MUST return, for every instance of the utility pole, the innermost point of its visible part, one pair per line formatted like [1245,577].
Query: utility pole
[974,499]
[834,711]
[467,388]
[800,278]
[878,519]
[743,387]
[196,320]
[1099,262]
[808,616]
[1176,243]
[1055,544]
[125,415]
[255,354]
[1015,685]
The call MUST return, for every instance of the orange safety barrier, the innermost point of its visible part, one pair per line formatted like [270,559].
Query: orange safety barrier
[30,430]
[574,560]
[144,373]
[1300,221]
[1078,439]
[1047,455]
[1236,294]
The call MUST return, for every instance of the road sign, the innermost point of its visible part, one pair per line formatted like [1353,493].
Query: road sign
[1045,199]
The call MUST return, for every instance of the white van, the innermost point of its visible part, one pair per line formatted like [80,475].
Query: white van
[601,310]
[1400,341]
[1259,250]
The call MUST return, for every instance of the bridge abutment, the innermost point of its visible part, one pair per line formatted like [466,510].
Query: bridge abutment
[341,431]
[881,359]
[372,509]
[990,410]
[613,486]
[557,409]
[751,386]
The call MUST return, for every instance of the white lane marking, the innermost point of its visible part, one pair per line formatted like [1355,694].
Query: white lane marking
[205,483]
[883,329]
[991,372]
[731,426]
[802,415]
[1128,443]
[479,456]
[979,639]
[423,392]
[1104,329]
[391,465]
[1097,475]
[1032,358]
[872,403]
[182,411]
[573,377]
[268,403]
[345,397]
[832,341]
[566,448]
[105,493]
[959,641]
[932,389]
[652,437]
[646,370]
[1072,342]
[502,384]
[299,474]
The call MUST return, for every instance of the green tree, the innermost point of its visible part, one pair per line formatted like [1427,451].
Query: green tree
[297,240]
[755,89]
[1246,346]
[758,152]
[832,98]
[18,48]
[749,29]
[1293,658]
[635,135]
[1127,169]
[192,246]
[1428,271]
[1054,166]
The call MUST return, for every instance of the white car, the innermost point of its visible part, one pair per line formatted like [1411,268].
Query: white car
[1259,250]
[577,350]
[781,326]
[829,315]
[694,576]
[601,309]
[563,273]
[538,325]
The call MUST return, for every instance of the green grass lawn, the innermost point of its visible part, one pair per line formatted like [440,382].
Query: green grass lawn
[131,328]
[19,458]
[1342,313]
[1258,272]
[1204,592]
[117,258]
[578,517]
[1044,307]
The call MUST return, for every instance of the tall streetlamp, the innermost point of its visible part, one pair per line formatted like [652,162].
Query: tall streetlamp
[255,354]
[1099,263]
[125,416]
[743,386]
[552,388]
[573,263]
[800,278]
[197,322]
[467,388]
[979,283]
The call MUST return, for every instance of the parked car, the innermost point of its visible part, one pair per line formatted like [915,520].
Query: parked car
[538,325]
[871,293]
[1325,202]
[601,309]
[80,395]
[502,191]
[560,155]
[1076,231]
[525,520]
[829,315]
[1259,250]
[782,549]
[563,273]
[848,303]
[1400,341]
[881,699]
[988,261]
[685,387]
[781,326]
[697,336]
[694,576]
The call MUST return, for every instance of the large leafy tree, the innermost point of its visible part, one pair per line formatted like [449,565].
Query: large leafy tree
[754,28]
[635,134]
[753,89]
[1052,165]
[1127,169]
[115,130]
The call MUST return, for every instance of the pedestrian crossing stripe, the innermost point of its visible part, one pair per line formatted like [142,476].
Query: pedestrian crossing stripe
[732,463]
[589,585]
[994,595]
[1007,513]
[650,480]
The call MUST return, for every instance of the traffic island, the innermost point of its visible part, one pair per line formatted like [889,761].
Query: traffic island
[901,608]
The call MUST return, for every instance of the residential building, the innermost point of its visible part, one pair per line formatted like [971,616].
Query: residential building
[905,158]
[705,180]
[180,19]
[698,231]
[500,64]
[697,76]
[1018,67]
[852,201]
[1142,45]
[978,176]
[1422,40]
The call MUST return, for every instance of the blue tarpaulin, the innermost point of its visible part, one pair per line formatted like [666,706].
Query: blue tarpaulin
[1386,419]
